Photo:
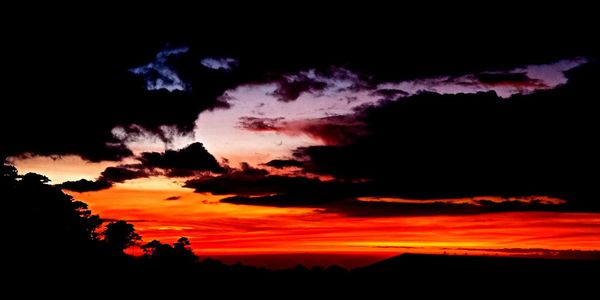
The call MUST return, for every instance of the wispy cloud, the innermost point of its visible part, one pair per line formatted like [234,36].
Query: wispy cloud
[219,63]
[160,74]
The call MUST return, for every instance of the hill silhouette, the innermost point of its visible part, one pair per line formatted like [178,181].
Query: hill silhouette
[446,266]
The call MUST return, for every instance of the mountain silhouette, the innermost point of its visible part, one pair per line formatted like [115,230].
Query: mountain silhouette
[464,268]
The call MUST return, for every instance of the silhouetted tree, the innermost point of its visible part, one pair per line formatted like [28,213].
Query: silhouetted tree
[47,228]
[182,242]
[179,253]
[120,235]
[150,248]
[38,209]
[183,250]
[9,176]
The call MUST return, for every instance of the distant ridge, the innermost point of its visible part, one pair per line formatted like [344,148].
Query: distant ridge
[463,267]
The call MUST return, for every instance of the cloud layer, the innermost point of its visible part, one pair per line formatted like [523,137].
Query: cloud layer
[433,146]
[184,162]
[67,98]
[70,98]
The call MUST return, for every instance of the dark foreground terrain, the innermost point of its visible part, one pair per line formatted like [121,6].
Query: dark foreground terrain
[405,274]
[55,245]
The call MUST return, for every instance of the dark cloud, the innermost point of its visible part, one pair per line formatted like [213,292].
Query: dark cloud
[108,177]
[71,108]
[254,186]
[253,181]
[285,200]
[172,198]
[183,162]
[434,146]
[84,185]
[123,173]
[290,88]
[248,170]
[284,163]
[431,146]
[68,90]
[173,163]
[328,201]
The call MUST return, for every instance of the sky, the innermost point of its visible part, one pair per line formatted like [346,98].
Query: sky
[370,150]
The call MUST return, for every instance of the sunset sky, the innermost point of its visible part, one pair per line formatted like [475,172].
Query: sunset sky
[356,149]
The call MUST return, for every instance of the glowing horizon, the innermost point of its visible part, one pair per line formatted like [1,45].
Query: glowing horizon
[221,228]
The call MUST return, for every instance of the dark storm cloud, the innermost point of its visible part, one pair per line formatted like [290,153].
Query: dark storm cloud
[84,185]
[68,90]
[431,146]
[285,200]
[254,186]
[107,178]
[121,174]
[77,117]
[290,88]
[192,158]
[284,163]
[331,202]
[184,162]
[253,181]
[434,146]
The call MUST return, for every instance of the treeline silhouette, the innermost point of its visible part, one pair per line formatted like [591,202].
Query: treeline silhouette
[56,240]
[51,231]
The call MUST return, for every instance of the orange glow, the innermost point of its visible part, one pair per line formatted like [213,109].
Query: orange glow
[220,228]
[61,168]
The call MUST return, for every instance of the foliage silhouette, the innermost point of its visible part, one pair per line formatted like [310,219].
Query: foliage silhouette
[51,233]
[180,253]
[120,235]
